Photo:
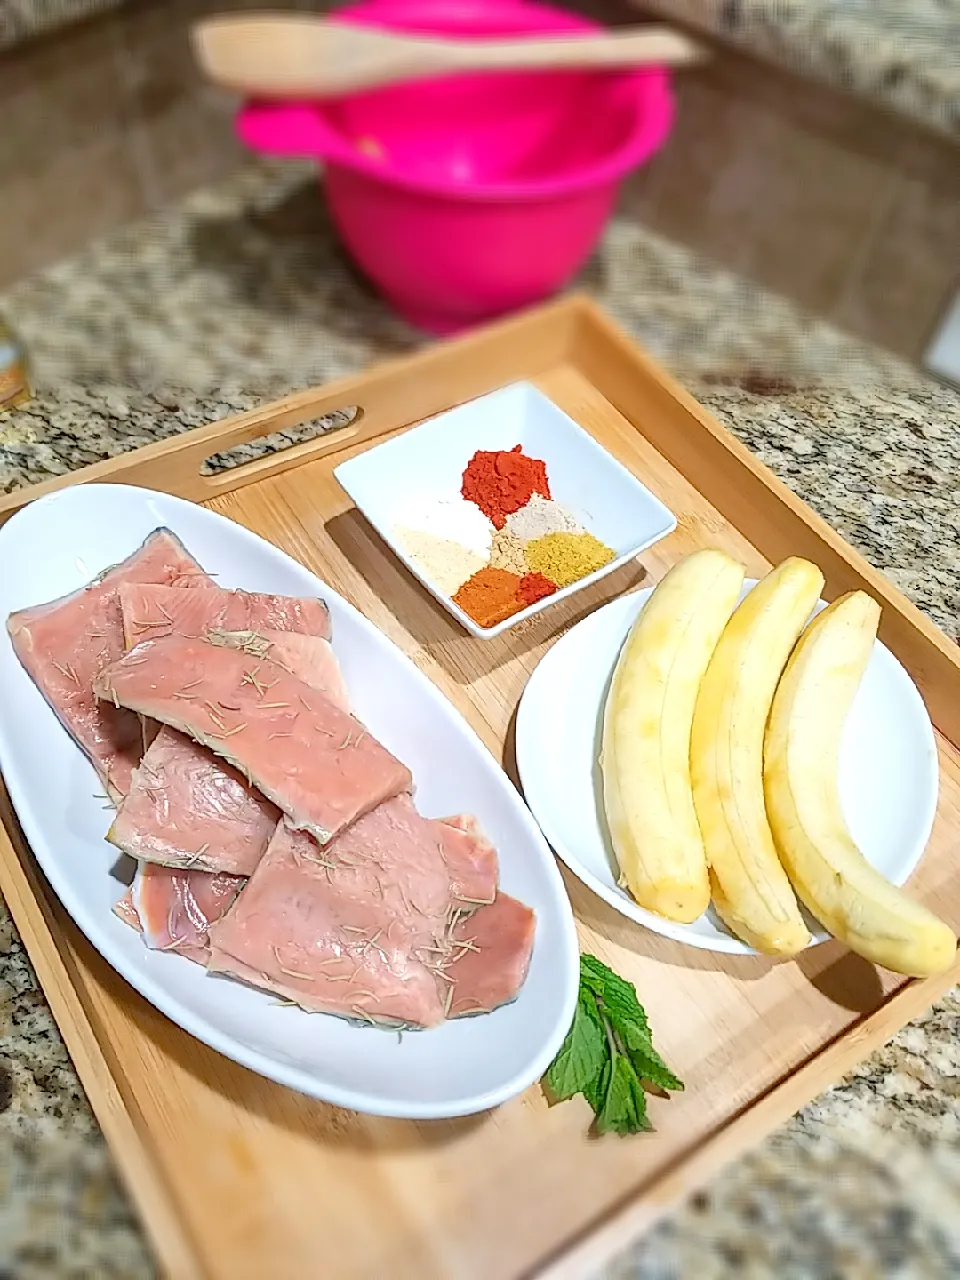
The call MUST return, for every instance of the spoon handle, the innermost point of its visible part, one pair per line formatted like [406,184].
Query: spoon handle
[654,46]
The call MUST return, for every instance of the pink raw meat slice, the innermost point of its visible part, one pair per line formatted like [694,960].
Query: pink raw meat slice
[63,645]
[493,952]
[150,612]
[187,808]
[127,912]
[315,762]
[174,909]
[471,860]
[365,926]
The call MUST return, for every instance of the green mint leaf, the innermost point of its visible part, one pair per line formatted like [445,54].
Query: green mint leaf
[608,1053]
[624,1107]
[650,1066]
[582,1055]
[596,1091]
[617,997]
[618,1002]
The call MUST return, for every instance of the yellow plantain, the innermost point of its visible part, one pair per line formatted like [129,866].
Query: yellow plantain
[645,759]
[801,760]
[751,891]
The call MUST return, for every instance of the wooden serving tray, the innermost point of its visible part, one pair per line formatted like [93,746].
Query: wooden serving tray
[238,1177]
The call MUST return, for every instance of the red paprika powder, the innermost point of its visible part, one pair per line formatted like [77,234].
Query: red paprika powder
[533,587]
[502,481]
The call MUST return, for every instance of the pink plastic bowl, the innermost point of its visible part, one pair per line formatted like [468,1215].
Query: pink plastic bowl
[470,196]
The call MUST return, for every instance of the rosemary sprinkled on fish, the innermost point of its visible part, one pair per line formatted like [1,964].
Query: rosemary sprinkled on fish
[292,973]
[228,733]
[251,642]
[250,677]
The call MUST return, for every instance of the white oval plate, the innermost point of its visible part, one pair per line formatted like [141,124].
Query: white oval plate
[57,544]
[888,767]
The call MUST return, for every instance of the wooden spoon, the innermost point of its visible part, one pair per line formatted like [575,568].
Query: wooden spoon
[299,56]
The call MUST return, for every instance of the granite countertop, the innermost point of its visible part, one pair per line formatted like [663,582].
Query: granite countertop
[240,294]
[904,56]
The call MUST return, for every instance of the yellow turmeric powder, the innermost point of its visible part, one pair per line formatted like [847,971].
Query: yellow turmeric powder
[567,557]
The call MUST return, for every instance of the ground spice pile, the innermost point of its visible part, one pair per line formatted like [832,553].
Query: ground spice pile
[502,543]
[503,481]
[506,552]
[567,557]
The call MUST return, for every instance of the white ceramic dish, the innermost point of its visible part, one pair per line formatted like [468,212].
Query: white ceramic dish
[888,767]
[430,459]
[57,544]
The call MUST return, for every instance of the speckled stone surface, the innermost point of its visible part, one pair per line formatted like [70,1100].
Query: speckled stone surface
[21,20]
[240,294]
[905,56]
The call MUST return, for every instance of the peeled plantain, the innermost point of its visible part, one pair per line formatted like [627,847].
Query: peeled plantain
[751,891]
[645,759]
[801,759]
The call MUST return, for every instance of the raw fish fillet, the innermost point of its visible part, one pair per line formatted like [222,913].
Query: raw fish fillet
[153,611]
[366,926]
[187,808]
[491,967]
[315,762]
[173,909]
[63,645]
[127,912]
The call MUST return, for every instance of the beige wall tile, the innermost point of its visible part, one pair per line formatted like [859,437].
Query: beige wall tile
[182,128]
[58,94]
[694,188]
[910,267]
[754,189]
[55,208]
[807,204]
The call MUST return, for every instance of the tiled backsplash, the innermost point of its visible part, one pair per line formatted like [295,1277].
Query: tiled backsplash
[853,213]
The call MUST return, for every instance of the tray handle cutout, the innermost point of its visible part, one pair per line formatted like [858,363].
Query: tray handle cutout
[341,423]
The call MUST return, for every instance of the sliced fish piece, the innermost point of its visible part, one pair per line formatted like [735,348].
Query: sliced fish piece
[363,927]
[315,762]
[491,956]
[153,611]
[174,909]
[471,861]
[63,645]
[188,808]
[127,912]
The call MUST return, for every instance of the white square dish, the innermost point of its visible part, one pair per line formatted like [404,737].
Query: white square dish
[608,499]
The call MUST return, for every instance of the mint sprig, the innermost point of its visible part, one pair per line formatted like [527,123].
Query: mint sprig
[609,1053]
